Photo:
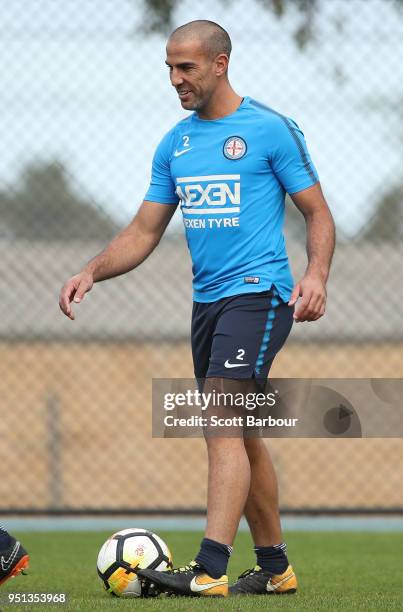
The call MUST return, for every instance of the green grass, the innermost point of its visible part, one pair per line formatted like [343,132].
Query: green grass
[339,571]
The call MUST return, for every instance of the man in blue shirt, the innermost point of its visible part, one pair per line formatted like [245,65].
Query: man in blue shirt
[229,165]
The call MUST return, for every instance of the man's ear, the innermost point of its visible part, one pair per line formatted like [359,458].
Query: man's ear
[221,64]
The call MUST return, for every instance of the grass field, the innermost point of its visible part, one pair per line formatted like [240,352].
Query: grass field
[340,571]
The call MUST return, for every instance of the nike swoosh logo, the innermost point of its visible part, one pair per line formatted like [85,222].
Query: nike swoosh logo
[227,364]
[178,153]
[196,587]
[6,563]
[273,587]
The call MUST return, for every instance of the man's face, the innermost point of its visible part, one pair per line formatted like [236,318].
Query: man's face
[192,73]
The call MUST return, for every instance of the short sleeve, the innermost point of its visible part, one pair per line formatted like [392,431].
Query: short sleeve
[289,156]
[162,187]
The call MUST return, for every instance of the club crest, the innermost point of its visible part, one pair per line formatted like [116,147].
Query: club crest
[234,147]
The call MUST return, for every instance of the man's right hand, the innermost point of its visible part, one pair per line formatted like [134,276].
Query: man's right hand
[74,290]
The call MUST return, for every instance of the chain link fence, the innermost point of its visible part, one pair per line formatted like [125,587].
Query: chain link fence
[84,100]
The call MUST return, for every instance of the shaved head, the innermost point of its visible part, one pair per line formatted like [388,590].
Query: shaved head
[197,57]
[212,37]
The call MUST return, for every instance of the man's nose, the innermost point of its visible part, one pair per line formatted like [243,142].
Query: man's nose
[176,78]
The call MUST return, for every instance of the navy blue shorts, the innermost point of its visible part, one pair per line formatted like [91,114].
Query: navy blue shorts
[239,336]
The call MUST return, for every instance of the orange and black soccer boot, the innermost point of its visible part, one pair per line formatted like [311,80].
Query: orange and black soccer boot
[190,580]
[14,560]
[257,581]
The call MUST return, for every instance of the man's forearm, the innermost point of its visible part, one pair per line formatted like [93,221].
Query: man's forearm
[320,242]
[124,253]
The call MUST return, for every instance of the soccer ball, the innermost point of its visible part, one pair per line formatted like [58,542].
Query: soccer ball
[123,553]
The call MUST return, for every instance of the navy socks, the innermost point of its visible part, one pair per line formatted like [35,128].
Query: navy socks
[272,558]
[213,557]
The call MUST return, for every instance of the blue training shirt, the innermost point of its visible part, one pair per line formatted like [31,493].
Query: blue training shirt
[230,176]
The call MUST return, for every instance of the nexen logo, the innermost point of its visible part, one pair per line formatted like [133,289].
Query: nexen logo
[217,192]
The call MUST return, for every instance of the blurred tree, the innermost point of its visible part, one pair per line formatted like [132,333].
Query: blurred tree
[159,15]
[387,222]
[44,206]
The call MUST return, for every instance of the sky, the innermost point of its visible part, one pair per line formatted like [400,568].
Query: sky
[81,84]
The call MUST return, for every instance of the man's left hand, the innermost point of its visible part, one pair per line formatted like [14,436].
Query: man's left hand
[312,291]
